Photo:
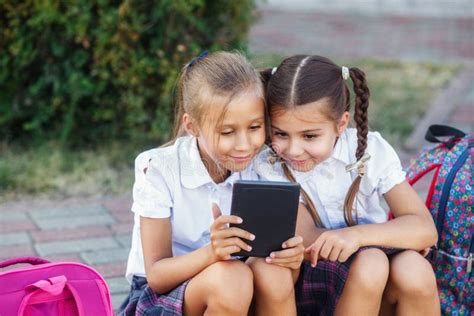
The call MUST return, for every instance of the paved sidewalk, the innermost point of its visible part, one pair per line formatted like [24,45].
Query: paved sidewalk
[97,230]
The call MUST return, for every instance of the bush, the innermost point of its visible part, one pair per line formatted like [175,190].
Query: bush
[90,71]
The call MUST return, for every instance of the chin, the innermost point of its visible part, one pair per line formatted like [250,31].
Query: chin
[303,168]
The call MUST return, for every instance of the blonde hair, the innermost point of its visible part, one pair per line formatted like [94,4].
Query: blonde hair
[211,82]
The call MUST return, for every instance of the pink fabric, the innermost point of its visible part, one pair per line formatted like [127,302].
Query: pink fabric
[62,288]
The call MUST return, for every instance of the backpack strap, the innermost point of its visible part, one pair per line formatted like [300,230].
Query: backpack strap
[434,133]
[447,187]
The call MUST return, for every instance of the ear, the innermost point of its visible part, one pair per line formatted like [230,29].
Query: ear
[190,125]
[343,122]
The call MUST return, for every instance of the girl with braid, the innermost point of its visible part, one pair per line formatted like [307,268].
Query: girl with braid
[357,261]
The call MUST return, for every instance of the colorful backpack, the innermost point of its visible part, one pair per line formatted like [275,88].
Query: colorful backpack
[450,203]
[62,288]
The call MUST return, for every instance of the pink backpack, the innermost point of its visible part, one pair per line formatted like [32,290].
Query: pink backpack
[45,288]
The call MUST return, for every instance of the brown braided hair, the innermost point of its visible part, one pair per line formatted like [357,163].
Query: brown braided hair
[303,79]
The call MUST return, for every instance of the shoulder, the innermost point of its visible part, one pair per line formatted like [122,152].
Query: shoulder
[162,164]
[384,169]
[377,147]
[266,167]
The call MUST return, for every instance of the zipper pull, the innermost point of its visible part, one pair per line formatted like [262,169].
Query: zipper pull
[469,263]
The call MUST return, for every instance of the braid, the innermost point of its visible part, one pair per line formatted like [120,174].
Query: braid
[362,94]
[360,111]
[309,203]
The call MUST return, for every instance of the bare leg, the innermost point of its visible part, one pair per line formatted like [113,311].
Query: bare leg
[223,288]
[274,292]
[365,284]
[411,287]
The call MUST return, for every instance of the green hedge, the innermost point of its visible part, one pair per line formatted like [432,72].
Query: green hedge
[90,71]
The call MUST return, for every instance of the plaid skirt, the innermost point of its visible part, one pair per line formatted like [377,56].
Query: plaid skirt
[142,300]
[318,289]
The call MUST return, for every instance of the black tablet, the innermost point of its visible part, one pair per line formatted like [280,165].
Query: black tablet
[269,210]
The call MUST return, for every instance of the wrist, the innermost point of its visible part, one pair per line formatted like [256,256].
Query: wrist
[210,257]
[356,235]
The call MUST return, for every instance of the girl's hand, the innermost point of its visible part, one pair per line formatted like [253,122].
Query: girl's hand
[334,245]
[291,256]
[224,240]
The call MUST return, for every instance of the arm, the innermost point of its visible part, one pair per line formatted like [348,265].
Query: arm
[164,272]
[412,228]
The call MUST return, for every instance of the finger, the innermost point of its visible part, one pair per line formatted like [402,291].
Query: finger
[280,261]
[233,241]
[287,253]
[315,249]
[292,242]
[326,250]
[216,211]
[223,220]
[345,254]
[232,232]
[226,252]
[334,255]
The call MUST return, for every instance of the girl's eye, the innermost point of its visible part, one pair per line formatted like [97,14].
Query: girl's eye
[279,134]
[225,133]
[255,127]
[310,136]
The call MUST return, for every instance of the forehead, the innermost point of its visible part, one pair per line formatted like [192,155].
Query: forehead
[245,107]
[242,109]
[301,115]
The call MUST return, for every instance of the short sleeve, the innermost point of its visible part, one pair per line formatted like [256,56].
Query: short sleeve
[384,169]
[151,193]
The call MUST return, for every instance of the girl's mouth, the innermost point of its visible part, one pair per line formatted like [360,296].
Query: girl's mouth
[241,159]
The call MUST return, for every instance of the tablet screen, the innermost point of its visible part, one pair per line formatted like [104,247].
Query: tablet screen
[269,211]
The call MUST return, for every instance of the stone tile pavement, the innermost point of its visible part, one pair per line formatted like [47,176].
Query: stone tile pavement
[97,230]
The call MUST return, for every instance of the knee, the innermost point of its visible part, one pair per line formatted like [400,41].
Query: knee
[369,271]
[273,282]
[412,275]
[231,285]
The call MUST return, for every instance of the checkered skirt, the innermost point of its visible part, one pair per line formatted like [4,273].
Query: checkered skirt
[318,289]
[142,300]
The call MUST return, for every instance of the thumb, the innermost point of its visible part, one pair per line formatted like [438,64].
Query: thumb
[216,211]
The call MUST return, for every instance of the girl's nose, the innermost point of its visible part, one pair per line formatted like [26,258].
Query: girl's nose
[243,142]
[294,149]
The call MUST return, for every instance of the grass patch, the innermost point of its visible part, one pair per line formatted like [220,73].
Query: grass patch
[49,170]
[401,93]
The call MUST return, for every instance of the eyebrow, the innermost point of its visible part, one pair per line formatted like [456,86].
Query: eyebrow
[262,118]
[305,131]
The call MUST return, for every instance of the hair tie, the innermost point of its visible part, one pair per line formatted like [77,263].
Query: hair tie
[359,165]
[345,73]
[274,69]
[196,59]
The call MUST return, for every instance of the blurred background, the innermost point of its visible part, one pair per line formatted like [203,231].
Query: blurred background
[86,86]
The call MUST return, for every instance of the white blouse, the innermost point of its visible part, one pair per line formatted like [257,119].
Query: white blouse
[328,182]
[177,185]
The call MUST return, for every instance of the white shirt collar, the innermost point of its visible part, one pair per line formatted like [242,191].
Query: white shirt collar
[341,149]
[193,173]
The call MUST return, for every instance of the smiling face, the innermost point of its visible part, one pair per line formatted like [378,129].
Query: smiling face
[304,136]
[233,143]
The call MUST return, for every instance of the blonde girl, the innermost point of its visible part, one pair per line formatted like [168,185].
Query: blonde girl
[181,257]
